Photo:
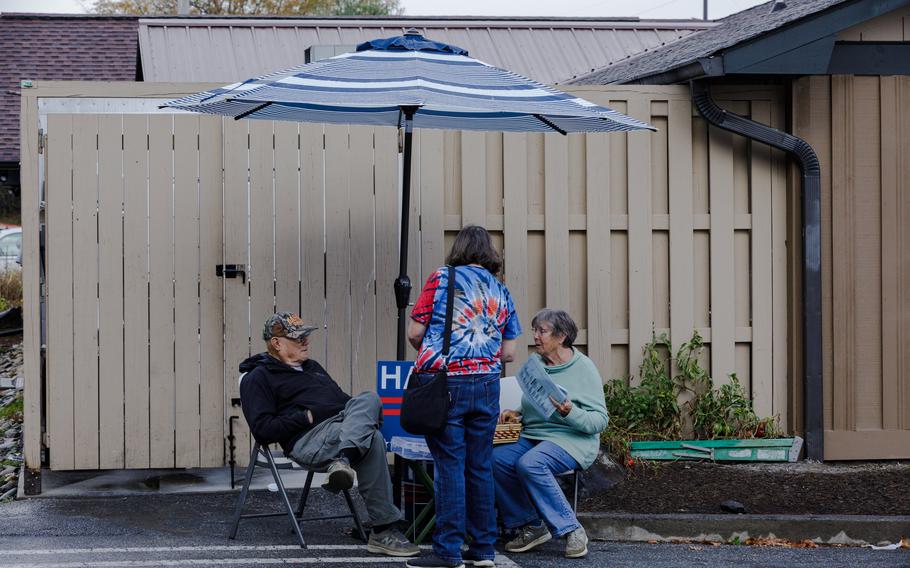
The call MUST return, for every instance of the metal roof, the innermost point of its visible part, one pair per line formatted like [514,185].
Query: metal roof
[550,50]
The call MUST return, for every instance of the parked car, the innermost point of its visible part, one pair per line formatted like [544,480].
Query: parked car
[11,248]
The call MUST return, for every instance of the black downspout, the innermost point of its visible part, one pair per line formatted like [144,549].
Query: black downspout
[812,252]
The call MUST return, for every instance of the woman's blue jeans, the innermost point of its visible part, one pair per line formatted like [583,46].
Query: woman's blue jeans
[526,488]
[464,468]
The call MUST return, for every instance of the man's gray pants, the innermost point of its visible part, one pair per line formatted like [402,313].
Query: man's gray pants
[357,426]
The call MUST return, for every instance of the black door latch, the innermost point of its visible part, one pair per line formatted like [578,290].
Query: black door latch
[230,271]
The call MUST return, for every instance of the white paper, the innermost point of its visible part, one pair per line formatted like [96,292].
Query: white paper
[538,387]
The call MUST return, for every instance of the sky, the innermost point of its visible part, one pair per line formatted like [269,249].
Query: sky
[569,8]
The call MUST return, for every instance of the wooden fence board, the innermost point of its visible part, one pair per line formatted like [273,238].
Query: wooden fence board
[722,255]
[761,283]
[211,290]
[387,207]
[161,292]
[85,290]
[682,282]
[641,315]
[338,255]
[136,291]
[236,291]
[287,217]
[556,222]
[312,228]
[515,253]
[262,226]
[597,206]
[363,263]
[35,388]
[60,425]
[110,293]
[473,179]
[186,291]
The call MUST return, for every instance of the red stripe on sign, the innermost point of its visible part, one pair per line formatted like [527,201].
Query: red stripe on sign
[391,412]
[391,400]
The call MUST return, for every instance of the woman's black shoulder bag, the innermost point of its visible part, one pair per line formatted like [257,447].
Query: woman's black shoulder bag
[425,406]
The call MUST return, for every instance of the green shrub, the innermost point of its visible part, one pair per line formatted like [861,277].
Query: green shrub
[650,410]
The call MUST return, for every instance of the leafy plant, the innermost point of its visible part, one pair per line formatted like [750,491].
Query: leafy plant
[10,289]
[651,409]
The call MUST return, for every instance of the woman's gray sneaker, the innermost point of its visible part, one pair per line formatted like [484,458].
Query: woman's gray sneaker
[433,561]
[471,560]
[391,543]
[529,537]
[576,543]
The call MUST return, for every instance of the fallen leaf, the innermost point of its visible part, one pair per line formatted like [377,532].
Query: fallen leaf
[905,542]
[696,548]
[652,542]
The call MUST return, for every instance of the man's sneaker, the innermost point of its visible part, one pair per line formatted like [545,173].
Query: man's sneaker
[433,561]
[576,543]
[529,537]
[391,543]
[340,476]
[472,560]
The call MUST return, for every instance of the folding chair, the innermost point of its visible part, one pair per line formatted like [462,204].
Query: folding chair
[295,516]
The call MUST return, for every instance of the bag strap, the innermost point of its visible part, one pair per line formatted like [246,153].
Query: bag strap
[450,308]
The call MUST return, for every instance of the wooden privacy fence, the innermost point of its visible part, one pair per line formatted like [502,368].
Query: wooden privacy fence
[676,231]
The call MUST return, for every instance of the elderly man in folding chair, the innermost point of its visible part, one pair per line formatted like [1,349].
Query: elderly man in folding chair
[290,399]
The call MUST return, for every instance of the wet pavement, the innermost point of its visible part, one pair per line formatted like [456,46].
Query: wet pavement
[189,529]
[181,518]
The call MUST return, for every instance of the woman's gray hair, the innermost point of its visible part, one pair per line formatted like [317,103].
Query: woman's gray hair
[562,323]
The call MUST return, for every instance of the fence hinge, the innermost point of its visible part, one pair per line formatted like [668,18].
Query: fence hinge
[40,140]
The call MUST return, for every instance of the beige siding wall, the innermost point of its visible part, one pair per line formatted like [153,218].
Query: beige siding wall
[861,130]
[679,230]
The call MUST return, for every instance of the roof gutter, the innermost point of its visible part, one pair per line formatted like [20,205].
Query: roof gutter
[703,67]
[811,231]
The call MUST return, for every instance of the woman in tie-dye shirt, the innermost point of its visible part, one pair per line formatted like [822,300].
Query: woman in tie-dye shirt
[484,329]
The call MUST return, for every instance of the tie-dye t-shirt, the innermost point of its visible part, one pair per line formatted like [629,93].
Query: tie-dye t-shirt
[483,316]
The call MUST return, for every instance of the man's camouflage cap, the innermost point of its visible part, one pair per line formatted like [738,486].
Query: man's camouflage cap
[286,324]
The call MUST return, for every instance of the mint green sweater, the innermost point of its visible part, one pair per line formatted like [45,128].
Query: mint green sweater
[578,433]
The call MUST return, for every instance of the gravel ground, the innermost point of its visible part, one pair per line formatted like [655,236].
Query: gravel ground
[10,420]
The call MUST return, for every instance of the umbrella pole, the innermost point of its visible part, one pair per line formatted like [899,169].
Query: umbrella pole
[402,285]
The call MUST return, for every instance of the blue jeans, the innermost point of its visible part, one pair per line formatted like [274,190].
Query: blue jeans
[526,489]
[463,461]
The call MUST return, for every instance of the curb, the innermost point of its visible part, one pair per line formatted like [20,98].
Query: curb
[855,530]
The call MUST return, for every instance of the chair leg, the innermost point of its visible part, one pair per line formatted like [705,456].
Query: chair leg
[575,494]
[305,494]
[355,515]
[284,497]
[238,510]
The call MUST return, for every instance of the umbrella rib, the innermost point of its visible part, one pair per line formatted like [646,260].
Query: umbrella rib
[251,111]
[550,124]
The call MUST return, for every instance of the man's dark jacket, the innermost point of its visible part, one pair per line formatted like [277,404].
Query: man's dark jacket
[276,397]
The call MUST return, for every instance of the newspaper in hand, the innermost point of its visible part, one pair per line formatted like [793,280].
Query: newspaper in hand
[538,387]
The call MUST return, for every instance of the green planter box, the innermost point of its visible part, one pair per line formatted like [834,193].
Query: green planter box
[751,450]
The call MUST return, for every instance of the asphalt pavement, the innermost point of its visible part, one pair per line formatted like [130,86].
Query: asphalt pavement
[190,530]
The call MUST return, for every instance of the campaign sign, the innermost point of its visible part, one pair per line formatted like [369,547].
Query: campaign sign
[391,378]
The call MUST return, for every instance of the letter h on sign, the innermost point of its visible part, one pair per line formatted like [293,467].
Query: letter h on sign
[391,379]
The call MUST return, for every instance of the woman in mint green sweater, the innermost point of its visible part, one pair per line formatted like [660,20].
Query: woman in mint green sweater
[527,494]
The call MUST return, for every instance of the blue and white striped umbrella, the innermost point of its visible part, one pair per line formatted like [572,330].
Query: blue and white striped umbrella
[408,81]
[372,86]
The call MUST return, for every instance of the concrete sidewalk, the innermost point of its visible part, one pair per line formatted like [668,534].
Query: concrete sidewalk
[127,482]
[855,530]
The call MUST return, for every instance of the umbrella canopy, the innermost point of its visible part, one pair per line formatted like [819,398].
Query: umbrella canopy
[408,81]
[370,86]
